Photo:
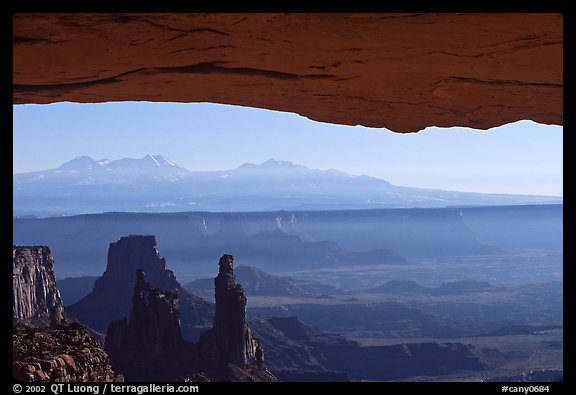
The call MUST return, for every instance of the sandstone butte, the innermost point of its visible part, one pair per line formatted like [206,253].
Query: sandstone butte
[400,71]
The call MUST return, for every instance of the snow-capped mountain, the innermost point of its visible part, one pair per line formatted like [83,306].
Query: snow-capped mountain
[82,163]
[83,170]
[155,183]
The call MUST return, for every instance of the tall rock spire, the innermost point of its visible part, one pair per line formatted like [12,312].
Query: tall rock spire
[149,345]
[231,334]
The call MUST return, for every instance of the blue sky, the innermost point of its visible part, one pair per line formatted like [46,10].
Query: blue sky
[519,158]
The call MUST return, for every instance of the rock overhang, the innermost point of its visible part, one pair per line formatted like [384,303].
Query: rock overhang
[400,71]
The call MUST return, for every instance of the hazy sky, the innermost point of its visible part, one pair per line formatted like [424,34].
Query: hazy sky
[519,158]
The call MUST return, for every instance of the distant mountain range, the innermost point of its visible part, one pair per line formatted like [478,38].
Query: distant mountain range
[156,184]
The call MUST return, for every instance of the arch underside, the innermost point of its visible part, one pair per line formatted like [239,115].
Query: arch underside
[400,71]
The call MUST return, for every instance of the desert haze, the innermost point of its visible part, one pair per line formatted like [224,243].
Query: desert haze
[477,288]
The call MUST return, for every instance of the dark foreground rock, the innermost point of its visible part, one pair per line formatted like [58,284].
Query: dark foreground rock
[63,354]
[149,345]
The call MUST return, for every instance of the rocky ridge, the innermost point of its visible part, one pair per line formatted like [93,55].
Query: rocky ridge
[298,352]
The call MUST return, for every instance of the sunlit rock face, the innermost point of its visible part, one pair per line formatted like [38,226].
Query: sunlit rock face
[46,346]
[400,71]
[35,297]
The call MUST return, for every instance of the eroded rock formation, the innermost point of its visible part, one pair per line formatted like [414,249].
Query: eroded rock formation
[399,71]
[112,298]
[35,297]
[63,354]
[45,345]
[230,340]
[148,345]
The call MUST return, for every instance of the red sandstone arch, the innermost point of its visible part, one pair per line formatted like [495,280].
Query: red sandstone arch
[399,71]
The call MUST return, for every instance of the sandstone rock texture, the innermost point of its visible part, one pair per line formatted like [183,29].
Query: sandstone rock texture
[63,354]
[400,71]
[35,297]
[45,345]
[112,296]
